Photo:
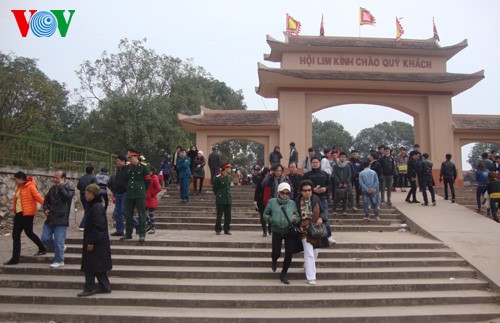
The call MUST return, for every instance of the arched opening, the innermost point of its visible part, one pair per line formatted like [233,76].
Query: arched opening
[471,155]
[359,121]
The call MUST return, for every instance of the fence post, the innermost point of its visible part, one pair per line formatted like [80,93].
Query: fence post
[50,154]
[84,160]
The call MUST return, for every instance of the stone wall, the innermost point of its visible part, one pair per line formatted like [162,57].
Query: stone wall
[43,178]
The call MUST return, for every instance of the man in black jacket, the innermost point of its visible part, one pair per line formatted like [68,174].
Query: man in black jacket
[57,206]
[413,166]
[118,185]
[448,174]
[387,166]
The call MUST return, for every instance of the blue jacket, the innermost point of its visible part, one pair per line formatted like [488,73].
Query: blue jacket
[368,179]
[183,167]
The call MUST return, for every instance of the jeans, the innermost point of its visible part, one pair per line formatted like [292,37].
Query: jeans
[184,188]
[53,237]
[449,182]
[370,200]
[151,218]
[323,201]
[426,183]
[481,189]
[402,180]
[310,256]
[119,212]
[387,182]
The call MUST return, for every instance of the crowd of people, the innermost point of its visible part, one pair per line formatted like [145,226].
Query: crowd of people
[284,198]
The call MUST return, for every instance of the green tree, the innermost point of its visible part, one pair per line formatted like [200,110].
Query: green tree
[327,134]
[394,134]
[242,153]
[475,154]
[29,100]
[136,94]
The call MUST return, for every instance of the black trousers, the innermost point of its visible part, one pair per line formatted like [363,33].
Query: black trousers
[102,278]
[276,250]
[413,191]
[23,223]
[449,182]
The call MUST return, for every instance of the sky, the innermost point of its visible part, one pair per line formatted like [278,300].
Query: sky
[228,39]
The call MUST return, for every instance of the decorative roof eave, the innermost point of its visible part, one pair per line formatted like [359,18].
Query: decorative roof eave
[465,123]
[321,44]
[272,80]
[209,119]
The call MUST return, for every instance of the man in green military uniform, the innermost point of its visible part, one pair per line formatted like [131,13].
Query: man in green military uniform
[139,179]
[222,189]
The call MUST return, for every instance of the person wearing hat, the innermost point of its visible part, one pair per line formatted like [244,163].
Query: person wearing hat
[275,214]
[96,250]
[25,205]
[223,201]
[139,179]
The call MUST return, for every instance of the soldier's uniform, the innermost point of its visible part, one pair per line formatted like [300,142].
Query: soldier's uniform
[223,200]
[139,179]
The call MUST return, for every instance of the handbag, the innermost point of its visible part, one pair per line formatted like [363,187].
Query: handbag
[316,231]
[293,230]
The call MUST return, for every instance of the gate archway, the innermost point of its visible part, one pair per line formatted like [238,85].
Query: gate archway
[317,72]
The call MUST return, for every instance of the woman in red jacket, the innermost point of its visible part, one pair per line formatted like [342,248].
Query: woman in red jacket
[152,200]
[25,199]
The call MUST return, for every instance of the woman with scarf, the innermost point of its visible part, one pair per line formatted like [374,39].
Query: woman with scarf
[281,212]
[310,212]
[199,171]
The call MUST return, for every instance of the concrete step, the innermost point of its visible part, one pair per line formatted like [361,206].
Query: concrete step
[248,286]
[227,261]
[217,272]
[396,314]
[264,252]
[309,298]
[210,218]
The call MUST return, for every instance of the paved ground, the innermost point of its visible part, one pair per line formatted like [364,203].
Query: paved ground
[474,237]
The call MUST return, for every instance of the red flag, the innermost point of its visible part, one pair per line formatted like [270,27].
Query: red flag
[365,17]
[436,36]
[322,27]
[292,25]
[399,29]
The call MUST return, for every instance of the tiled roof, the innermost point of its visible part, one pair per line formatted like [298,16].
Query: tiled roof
[253,118]
[373,76]
[362,42]
[476,122]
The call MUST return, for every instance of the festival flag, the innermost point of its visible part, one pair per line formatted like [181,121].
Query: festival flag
[321,27]
[292,25]
[365,17]
[399,29]
[436,35]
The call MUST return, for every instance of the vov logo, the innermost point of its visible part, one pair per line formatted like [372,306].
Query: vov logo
[43,23]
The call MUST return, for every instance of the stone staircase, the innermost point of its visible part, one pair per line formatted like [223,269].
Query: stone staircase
[185,273]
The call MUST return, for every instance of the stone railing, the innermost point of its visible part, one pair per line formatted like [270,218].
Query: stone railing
[43,178]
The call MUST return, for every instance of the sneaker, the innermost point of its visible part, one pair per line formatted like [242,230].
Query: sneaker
[117,234]
[366,219]
[425,204]
[81,229]
[264,234]
[344,213]
[64,249]
[57,264]
[217,233]
[152,231]
[452,201]
[389,203]
[311,282]
[142,239]
[331,240]
[378,218]
[408,201]
[354,208]
[334,212]
[433,203]
[40,253]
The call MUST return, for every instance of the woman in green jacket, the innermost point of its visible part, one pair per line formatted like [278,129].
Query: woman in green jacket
[279,226]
